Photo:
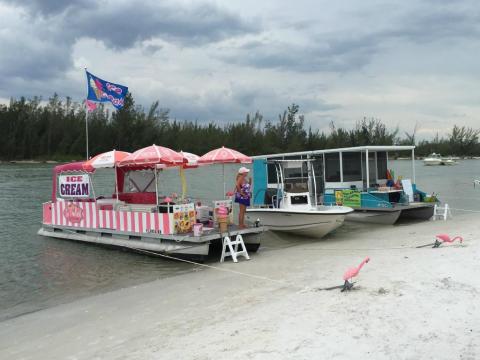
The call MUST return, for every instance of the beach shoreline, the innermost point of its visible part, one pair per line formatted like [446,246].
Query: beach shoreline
[408,303]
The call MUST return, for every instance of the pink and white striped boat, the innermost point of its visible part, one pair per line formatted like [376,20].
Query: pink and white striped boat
[134,217]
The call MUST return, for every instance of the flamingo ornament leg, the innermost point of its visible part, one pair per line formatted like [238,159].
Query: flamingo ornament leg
[347,286]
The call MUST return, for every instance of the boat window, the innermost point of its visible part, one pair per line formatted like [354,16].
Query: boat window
[296,177]
[318,168]
[352,166]
[272,174]
[372,171]
[299,200]
[295,172]
[139,181]
[332,167]
[382,165]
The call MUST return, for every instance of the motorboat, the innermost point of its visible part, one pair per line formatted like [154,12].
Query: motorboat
[354,177]
[449,161]
[433,159]
[291,205]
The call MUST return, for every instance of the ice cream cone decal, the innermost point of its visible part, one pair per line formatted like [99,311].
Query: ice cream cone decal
[98,92]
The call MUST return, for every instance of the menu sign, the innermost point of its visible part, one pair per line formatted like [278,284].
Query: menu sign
[74,186]
[351,198]
[183,218]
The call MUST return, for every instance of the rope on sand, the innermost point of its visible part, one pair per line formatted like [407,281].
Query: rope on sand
[466,210]
[258,277]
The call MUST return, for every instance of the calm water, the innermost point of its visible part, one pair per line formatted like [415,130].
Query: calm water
[38,272]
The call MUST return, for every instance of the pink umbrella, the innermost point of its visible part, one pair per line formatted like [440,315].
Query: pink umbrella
[191,160]
[223,156]
[105,160]
[153,155]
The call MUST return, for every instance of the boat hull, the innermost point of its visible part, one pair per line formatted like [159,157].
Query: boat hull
[421,211]
[311,224]
[177,246]
[390,216]
[374,216]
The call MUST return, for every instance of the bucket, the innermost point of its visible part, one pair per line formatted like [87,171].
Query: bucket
[197,229]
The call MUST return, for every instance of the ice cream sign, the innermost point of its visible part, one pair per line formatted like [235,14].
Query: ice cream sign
[74,186]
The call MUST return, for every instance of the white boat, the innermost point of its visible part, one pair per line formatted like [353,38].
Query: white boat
[291,209]
[344,177]
[433,159]
[449,161]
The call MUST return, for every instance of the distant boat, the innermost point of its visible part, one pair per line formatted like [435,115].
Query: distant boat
[433,159]
[449,161]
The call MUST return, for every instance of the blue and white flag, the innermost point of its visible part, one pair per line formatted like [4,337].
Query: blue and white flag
[103,91]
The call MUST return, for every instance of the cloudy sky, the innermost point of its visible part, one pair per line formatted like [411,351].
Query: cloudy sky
[405,62]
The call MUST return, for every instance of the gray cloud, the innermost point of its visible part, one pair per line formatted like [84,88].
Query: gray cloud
[338,55]
[41,45]
[404,61]
[50,7]
[124,24]
[232,104]
[348,50]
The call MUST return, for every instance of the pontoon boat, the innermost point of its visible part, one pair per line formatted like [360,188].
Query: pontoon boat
[345,177]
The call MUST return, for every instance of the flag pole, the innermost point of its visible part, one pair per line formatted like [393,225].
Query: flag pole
[86,120]
[86,126]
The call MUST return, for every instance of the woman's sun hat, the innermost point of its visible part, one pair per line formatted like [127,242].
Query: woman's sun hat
[243,170]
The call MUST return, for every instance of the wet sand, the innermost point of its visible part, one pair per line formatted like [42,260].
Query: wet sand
[408,303]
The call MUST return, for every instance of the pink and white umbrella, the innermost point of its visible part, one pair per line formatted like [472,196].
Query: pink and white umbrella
[105,160]
[224,156]
[153,155]
[191,160]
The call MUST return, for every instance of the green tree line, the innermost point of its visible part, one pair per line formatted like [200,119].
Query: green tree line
[32,129]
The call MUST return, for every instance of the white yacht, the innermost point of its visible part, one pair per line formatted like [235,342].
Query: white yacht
[449,161]
[293,204]
[433,159]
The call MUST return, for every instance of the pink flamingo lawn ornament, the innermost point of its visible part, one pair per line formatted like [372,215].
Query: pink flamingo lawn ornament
[444,238]
[351,273]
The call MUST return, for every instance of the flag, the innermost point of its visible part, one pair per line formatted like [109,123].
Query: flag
[103,91]
[90,105]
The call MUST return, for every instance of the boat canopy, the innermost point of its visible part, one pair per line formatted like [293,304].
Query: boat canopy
[373,148]
[76,166]
[359,167]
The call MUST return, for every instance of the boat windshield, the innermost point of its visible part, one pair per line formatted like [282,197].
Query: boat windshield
[296,177]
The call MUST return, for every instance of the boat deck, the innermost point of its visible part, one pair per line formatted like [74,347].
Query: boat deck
[186,244]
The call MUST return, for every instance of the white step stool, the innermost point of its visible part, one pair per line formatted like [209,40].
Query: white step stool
[441,212]
[233,248]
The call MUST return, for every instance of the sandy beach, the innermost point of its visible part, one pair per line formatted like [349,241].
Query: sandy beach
[408,303]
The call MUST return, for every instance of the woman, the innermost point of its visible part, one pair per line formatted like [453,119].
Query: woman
[242,194]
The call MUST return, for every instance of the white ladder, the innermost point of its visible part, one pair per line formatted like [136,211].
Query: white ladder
[441,212]
[233,248]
